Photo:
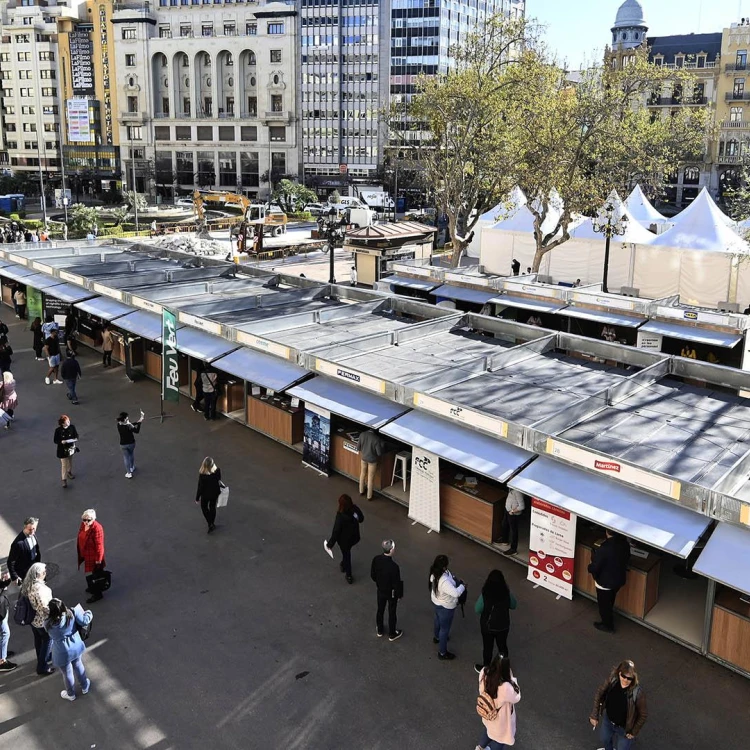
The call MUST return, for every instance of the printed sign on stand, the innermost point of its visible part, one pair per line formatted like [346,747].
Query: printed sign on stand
[552,548]
[317,439]
[424,493]
[650,341]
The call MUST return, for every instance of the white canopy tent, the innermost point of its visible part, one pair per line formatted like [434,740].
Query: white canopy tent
[512,203]
[641,209]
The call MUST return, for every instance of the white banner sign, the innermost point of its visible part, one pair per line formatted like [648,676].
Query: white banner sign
[492,425]
[350,376]
[79,125]
[650,341]
[552,548]
[424,493]
[202,323]
[264,345]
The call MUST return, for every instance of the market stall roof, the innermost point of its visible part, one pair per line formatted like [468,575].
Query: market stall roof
[726,557]
[460,445]
[70,293]
[199,344]
[261,369]
[548,305]
[424,284]
[605,317]
[647,519]
[463,294]
[16,272]
[353,403]
[726,339]
[41,281]
[641,209]
[104,308]
[399,230]
[141,323]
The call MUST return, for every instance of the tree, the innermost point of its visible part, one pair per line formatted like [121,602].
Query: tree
[292,196]
[83,218]
[134,200]
[120,214]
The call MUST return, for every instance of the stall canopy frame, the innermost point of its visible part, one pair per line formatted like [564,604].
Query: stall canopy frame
[463,294]
[201,345]
[726,340]
[16,272]
[424,285]
[41,281]
[261,369]
[537,305]
[71,293]
[726,557]
[141,323]
[105,308]
[605,317]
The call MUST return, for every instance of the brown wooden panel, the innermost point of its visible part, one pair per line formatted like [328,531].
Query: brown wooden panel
[347,462]
[153,365]
[286,426]
[652,588]
[631,598]
[582,579]
[466,512]
[730,638]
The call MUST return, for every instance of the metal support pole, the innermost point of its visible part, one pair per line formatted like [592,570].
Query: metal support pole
[41,184]
[607,235]
[135,190]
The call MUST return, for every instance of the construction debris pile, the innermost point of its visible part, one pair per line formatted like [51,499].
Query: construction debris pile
[186,243]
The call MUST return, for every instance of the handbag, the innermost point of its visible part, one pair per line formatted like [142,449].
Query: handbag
[223,499]
[101,579]
[84,631]
[23,612]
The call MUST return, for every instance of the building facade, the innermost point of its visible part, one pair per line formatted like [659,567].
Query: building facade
[208,95]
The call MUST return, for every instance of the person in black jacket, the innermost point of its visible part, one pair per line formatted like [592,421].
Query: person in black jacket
[387,576]
[70,371]
[5,665]
[609,566]
[127,431]
[493,607]
[24,551]
[209,489]
[66,439]
[346,533]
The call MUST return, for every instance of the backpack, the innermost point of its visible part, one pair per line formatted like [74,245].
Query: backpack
[497,619]
[23,612]
[84,631]
[486,707]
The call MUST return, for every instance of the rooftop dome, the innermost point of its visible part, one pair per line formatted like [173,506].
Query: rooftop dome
[629,14]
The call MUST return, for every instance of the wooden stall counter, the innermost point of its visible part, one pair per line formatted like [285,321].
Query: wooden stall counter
[153,364]
[730,631]
[275,416]
[641,590]
[476,509]
[345,457]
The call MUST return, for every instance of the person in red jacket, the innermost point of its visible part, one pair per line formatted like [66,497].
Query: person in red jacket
[91,551]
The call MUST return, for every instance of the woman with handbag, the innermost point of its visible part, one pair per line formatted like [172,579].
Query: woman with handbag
[498,694]
[493,607]
[66,439]
[39,595]
[346,533]
[209,489]
[445,591]
[63,625]
[8,397]
[91,552]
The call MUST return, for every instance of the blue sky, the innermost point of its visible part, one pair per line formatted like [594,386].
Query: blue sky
[579,29]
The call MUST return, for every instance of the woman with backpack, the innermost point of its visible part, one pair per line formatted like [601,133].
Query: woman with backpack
[39,595]
[346,533]
[493,607]
[445,591]
[67,646]
[498,694]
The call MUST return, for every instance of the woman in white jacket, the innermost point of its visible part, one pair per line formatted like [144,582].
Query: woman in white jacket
[497,682]
[444,592]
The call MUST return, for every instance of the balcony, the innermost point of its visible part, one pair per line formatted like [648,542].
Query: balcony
[724,159]
[735,67]
[737,96]
[250,115]
[130,117]
[735,125]
[282,116]
[125,11]
[677,101]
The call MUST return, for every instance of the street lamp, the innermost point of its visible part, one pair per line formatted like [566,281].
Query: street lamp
[331,227]
[608,223]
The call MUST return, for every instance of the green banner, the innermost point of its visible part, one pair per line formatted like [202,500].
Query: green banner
[170,376]
[33,303]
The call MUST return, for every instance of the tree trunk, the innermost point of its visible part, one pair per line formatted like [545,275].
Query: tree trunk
[538,255]
[458,251]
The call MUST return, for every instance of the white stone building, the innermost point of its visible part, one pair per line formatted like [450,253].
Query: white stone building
[207,94]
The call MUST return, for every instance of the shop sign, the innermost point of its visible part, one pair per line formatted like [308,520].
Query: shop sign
[146,304]
[350,376]
[170,376]
[202,323]
[538,291]
[613,302]
[694,316]
[81,61]
[461,414]
[107,292]
[264,345]
[34,303]
[414,271]
[79,121]
[317,439]
[424,493]
[57,308]
[351,447]
[552,548]
[74,278]
[20,259]
[43,267]
[650,341]
[614,469]
[463,278]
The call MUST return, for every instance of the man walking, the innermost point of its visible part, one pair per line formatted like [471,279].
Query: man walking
[52,345]
[127,432]
[19,298]
[387,576]
[71,371]
[609,566]
[514,506]
[209,380]
[24,551]
[371,447]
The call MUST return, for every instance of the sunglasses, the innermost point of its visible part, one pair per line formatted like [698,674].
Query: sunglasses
[627,677]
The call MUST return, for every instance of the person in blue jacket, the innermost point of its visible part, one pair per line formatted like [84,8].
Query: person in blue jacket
[67,646]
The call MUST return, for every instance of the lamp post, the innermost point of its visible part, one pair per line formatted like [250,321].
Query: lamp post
[135,187]
[331,226]
[609,224]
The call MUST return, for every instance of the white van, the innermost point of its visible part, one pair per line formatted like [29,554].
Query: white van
[348,202]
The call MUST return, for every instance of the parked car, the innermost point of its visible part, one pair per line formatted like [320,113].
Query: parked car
[314,208]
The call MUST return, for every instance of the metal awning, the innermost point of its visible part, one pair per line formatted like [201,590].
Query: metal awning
[538,305]
[485,455]
[463,294]
[355,404]
[726,557]
[690,333]
[261,369]
[41,281]
[141,323]
[104,308]
[423,284]
[605,317]
[70,293]
[199,344]
[16,272]
[614,505]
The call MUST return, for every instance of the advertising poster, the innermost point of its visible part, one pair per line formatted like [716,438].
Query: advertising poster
[317,439]
[79,125]
[56,308]
[424,493]
[33,303]
[170,376]
[81,62]
[552,547]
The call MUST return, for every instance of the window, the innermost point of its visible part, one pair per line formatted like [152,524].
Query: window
[205,133]
[701,61]
[230,105]
[47,56]
[28,111]
[277,134]
[679,61]
[6,75]
[251,29]
[699,93]
[208,105]
[165,32]
[275,55]
[186,105]
[137,153]
[52,145]
[691,176]
[10,127]
[31,145]
[165,105]
[741,59]
[186,31]
[29,127]
[28,20]
[24,75]
[735,114]
[135,133]
[132,104]
[278,162]
[275,28]
[248,133]
[161,133]
[23,38]
[226,132]
[230,29]
[24,56]
[51,127]
[183,133]
[47,74]
[128,33]
[184,163]
[739,88]
[26,92]
[48,109]
[206,168]
[9,110]
[5,56]
[277,103]
[49,92]
[227,169]
[185,61]
[733,148]
[252,106]
[130,61]
[207,29]
[12,145]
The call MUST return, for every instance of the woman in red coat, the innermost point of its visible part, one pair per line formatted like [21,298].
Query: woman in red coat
[91,551]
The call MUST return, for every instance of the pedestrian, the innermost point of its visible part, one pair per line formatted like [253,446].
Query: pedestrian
[514,507]
[108,345]
[65,231]
[24,551]
[5,665]
[209,381]
[370,447]
[127,431]
[609,566]
[498,694]
[70,371]
[620,707]
[353,276]
[197,404]
[493,607]
[67,647]
[209,489]
[71,345]
[688,351]
[66,439]
[346,533]
[52,345]
[39,595]
[91,552]
[8,397]
[445,591]
[38,338]
[390,588]
[515,267]
[3,329]
[49,325]
[19,297]
[5,354]
[13,286]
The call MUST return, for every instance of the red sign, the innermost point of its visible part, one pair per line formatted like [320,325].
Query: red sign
[552,547]
[342,168]
[607,466]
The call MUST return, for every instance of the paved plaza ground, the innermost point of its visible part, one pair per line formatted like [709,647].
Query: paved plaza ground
[251,638]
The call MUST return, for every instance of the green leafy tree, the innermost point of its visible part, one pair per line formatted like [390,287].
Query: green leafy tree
[292,196]
[120,215]
[82,218]
[134,200]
